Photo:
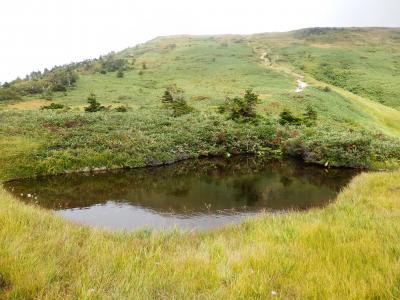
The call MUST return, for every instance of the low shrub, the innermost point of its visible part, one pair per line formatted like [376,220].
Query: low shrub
[9,94]
[309,117]
[48,95]
[94,106]
[332,147]
[120,74]
[174,99]
[111,64]
[326,89]
[58,88]
[286,117]
[241,109]
[53,106]
[121,108]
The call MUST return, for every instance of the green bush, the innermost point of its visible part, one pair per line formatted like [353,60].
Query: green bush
[239,108]
[61,78]
[9,94]
[326,89]
[172,93]
[112,64]
[30,87]
[286,117]
[310,116]
[120,74]
[94,106]
[332,147]
[48,95]
[180,108]
[53,106]
[174,99]
[58,88]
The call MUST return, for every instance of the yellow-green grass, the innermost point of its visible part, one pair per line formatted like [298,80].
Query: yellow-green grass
[13,151]
[362,60]
[350,250]
[387,117]
[377,117]
[380,117]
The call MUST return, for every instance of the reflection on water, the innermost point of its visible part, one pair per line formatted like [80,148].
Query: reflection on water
[202,193]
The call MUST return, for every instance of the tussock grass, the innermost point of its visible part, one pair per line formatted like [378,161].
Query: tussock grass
[349,250]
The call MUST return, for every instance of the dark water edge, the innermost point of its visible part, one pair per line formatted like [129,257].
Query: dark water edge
[191,194]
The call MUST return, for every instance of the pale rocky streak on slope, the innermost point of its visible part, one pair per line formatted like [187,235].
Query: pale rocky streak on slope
[301,85]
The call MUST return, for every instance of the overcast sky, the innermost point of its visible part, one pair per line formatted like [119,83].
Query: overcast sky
[42,33]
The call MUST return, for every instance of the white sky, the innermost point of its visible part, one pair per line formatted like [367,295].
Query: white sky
[42,33]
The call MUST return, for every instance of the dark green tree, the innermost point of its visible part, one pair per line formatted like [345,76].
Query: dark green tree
[120,73]
[9,93]
[174,99]
[94,106]
[112,64]
[286,117]
[310,116]
[241,108]
[53,106]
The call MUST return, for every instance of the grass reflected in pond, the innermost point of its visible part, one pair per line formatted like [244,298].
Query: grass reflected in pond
[199,194]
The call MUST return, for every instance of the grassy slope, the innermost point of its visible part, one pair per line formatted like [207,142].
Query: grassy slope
[361,65]
[349,250]
[363,61]
[365,112]
[208,69]
[145,131]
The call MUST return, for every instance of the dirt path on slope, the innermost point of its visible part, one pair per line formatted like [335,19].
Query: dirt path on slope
[387,118]
[301,85]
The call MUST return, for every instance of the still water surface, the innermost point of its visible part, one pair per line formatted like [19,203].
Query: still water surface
[196,194]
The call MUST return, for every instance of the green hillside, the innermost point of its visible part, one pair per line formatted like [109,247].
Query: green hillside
[353,89]
[181,97]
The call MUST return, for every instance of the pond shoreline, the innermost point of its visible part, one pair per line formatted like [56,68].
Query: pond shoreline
[82,255]
[97,170]
[192,194]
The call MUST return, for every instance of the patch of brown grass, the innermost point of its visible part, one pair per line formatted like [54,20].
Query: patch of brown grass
[31,104]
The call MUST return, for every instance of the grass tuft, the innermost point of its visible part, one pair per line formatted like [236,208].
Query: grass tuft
[349,250]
